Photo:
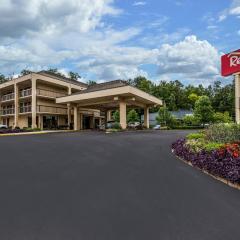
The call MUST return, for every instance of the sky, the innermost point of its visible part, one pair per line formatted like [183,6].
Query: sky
[105,40]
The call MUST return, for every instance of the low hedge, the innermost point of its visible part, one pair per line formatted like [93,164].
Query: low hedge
[221,164]
[8,131]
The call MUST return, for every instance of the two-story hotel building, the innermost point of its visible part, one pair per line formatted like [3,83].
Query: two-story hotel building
[49,101]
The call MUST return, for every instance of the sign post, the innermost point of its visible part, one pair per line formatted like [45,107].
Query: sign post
[231,66]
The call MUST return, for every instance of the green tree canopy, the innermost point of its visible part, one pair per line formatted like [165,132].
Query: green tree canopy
[116,116]
[193,97]
[2,78]
[25,72]
[219,117]
[164,117]
[204,110]
[74,75]
[91,82]
[132,116]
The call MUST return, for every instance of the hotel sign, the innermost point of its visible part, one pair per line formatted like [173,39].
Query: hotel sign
[231,63]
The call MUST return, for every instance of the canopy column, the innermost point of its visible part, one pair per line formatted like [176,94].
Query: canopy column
[76,119]
[123,114]
[146,117]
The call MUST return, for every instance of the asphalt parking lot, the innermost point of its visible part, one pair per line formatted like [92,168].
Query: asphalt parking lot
[96,186]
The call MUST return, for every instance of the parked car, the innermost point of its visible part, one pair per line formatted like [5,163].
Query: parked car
[157,127]
[110,124]
[134,125]
[2,126]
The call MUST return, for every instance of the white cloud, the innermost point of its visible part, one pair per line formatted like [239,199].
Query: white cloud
[18,18]
[139,3]
[38,35]
[191,58]
[233,10]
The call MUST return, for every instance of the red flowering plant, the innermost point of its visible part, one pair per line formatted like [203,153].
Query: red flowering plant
[230,148]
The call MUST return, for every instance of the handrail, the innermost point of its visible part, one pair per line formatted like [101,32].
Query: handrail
[51,109]
[7,97]
[49,93]
[26,92]
[7,111]
[25,109]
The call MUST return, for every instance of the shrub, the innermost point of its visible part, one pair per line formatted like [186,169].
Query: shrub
[223,133]
[211,146]
[116,125]
[191,120]
[203,109]
[195,136]
[219,117]
[132,116]
[165,118]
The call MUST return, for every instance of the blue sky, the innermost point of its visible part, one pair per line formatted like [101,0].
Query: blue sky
[105,39]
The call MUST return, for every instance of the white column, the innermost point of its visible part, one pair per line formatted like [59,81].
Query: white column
[81,121]
[69,107]
[237,98]
[146,117]
[123,114]
[76,118]
[34,102]
[69,114]
[16,101]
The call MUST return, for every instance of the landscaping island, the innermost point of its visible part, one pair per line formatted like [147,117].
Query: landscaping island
[215,151]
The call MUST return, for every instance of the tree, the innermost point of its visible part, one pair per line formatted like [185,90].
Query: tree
[116,116]
[132,116]
[193,97]
[2,78]
[25,72]
[142,83]
[165,118]
[204,110]
[191,120]
[219,117]
[91,82]
[74,75]
[55,71]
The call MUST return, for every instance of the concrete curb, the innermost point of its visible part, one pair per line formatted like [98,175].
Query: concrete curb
[230,184]
[33,133]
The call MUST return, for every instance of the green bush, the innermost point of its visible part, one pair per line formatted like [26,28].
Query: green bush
[132,116]
[219,117]
[195,136]
[195,145]
[212,146]
[185,127]
[191,120]
[116,125]
[165,118]
[223,133]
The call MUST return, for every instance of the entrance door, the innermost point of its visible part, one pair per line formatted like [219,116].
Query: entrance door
[96,123]
[86,122]
[50,122]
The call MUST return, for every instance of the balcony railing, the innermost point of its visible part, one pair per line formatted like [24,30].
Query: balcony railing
[8,97]
[49,93]
[25,109]
[50,109]
[26,93]
[8,111]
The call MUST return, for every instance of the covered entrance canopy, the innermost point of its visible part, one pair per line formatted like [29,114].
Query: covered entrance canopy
[110,96]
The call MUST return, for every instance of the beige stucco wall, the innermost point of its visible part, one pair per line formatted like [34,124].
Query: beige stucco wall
[45,86]
[23,121]
[49,102]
